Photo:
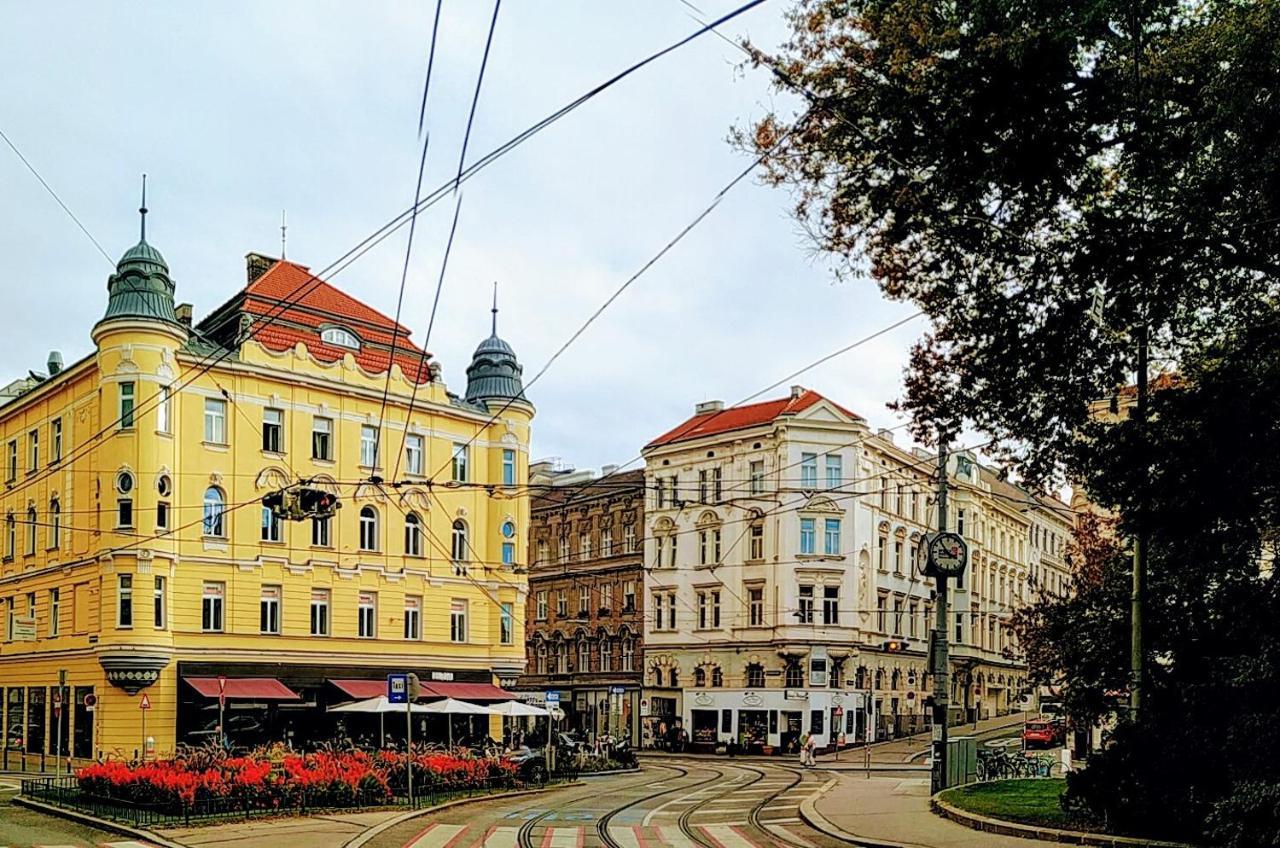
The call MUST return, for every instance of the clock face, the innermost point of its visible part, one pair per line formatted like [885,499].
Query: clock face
[948,553]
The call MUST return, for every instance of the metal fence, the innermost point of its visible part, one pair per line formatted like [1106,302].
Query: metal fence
[65,792]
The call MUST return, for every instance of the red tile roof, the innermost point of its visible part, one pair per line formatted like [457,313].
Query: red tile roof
[742,417]
[313,303]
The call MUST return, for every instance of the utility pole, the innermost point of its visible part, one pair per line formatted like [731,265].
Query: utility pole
[939,654]
[1136,669]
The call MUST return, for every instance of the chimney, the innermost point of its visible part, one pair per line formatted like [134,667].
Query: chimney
[256,265]
[708,406]
[796,391]
[606,470]
[55,362]
[887,435]
[183,311]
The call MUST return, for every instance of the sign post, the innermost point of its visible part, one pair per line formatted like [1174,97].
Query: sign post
[398,686]
[222,706]
[57,725]
[553,719]
[144,705]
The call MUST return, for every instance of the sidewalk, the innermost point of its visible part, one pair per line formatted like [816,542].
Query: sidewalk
[883,812]
[330,830]
[912,748]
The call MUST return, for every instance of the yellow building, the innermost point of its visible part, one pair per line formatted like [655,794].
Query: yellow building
[138,558]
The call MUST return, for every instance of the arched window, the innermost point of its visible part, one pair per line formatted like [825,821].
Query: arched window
[340,337]
[412,535]
[584,654]
[657,677]
[717,677]
[879,678]
[458,549]
[214,508]
[368,529]
[541,655]
[606,654]
[755,676]
[31,530]
[55,523]
[675,677]
[795,676]
[699,677]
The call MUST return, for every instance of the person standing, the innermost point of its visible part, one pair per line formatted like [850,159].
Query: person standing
[806,740]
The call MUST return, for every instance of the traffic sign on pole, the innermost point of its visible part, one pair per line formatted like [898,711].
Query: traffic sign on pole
[398,688]
[145,703]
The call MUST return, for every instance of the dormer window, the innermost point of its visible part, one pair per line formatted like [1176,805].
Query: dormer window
[340,337]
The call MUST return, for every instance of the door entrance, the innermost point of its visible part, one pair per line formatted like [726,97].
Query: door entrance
[792,727]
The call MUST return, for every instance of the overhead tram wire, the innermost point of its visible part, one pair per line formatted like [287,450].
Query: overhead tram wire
[653,260]
[444,264]
[431,60]
[396,222]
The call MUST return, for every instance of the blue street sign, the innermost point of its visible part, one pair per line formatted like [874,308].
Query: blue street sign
[398,688]
[617,690]
[553,697]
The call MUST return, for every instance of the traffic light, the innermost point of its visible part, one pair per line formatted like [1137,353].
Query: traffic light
[300,504]
[317,503]
[895,646]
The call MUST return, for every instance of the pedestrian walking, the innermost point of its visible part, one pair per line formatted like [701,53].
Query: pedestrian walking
[806,750]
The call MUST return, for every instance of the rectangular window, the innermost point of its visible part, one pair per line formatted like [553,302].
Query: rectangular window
[755,606]
[322,438]
[55,447]
[657,610]
[881,611]
[508,553]
[913,617]
[33,451]
[124,513]
[807,533]
[606,655]
[628,596]
[835,471]
[508,467]
[882,544]
[629,538]
[672,550]
[272,527]
[806,605]
[606,541]
[319,612]
[671,610]
[702,486]
[584,601]
[715,607]
[584,547]
[55,611]
[506,624]
[756,475]
[562,604]
[897,557]
[755,548]
[831,537]
[540,611]
[273,430]
[158,604]
[960,521]
[126,405]
[162,515]
[830,604]
[211,607]
[164,419]
[959,628]
[628,655]
[412,618]
[124,600]
[808,471]
[703,604]
[413,454]
[13,461]
[460,457]
[269,610]
[457,620]
[367,616]
[320,532]
[369,446]
[716,479]
[215,421]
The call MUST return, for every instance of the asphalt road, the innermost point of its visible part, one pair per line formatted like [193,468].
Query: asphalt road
[23,828]
[671,804]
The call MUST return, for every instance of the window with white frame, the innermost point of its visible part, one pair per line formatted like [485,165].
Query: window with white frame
[214,509]
[540,605]
[756,476]
[506,624]
[367,615]
[628,538]
[368,528]
[671,610]
[413,617]
[32,524]
[657,610]
[628,595]
[215,421]
[628,655]
[10,536]
[273,430]
[269,610]
[808,533]
[461,451]
[830,604]
[340,337]
[412,535]
[368,446]
[584,654]
[322,438]
[584,546]
[805,612]
[55,522]
[508,467]
[164,411]
[606,654]
[55,446]
[458,620]
[584,601]
[606,542]
[13,461]
[808,471]
[319,612]
[459,546]
[897,556]
[831,537]
[33,451]
[562,604]
[321,530]
[124,600]
[755,540]
[126,405]
[413,454]
[755,606]
[212,599]
[835,471]
[55,611]
[159,604]
[272,527]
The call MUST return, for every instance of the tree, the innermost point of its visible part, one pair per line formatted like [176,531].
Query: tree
[1042,178]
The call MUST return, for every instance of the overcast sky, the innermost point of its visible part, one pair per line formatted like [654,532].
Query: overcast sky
[239,110]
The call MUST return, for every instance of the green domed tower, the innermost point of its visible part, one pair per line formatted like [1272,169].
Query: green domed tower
[494,375]
[141,288]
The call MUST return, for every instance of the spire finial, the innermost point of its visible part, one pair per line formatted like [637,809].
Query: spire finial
[142,210]
[282,232]
[495,307]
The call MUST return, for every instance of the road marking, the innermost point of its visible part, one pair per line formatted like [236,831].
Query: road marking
[673,837]
[129,843]
[501,837]
[789,837]
[437,835]
[563,837]
[727,836]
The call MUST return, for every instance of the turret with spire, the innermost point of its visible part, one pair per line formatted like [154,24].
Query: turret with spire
[141,288]
[494,373]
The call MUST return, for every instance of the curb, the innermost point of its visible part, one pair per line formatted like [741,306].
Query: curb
[1047,834]
[364,836]
[586,775]
[809,813]
[94,821]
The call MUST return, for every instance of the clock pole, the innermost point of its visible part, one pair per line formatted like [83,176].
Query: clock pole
[938,654]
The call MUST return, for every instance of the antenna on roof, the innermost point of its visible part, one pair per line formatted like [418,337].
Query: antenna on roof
[495,307]
[282,232]
[142,210]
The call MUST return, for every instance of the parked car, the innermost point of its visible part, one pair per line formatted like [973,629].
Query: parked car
[532,763]
[1043,734]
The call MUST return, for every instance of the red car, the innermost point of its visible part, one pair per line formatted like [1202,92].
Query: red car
[1043,734]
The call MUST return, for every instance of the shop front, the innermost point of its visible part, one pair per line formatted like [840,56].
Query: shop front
[772,721]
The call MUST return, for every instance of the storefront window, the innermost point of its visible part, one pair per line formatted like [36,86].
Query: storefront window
[13,731]
[35,718]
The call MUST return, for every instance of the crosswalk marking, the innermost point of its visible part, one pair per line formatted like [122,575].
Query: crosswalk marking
[726,836]
[789,837]
[437,835]
[501,837]
[563,837]
[129,843]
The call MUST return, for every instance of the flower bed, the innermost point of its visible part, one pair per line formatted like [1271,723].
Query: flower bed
[323,779]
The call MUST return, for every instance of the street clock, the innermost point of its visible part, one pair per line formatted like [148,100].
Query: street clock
[947,555]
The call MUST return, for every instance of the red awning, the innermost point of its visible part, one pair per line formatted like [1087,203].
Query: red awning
[252,688]
[361,689]
[465,691]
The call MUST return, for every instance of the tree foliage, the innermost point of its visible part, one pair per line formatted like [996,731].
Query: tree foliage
[1013,165]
